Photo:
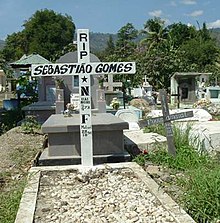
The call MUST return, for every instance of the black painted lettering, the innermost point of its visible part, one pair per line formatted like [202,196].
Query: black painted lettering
[105,68]
[98,68]
[112,68]
[38,70]
[84,46]
[45,69]
[50,69]
[82,69]
[84,118]
[120,68]
[83,36]
[85,91]
[64,69]
[127,67]
[83,54]
[71,66]
[57,70]
[88,68]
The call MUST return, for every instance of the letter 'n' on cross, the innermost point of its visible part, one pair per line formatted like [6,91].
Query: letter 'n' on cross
[84,69]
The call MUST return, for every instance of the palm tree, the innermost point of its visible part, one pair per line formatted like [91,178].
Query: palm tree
[156,33]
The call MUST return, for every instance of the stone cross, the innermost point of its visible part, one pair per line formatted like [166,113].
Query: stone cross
[111,84]
[166,119]
[84,69]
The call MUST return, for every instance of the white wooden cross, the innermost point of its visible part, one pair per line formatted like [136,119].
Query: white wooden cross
[84,69]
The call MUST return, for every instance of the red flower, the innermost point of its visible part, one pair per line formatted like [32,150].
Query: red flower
[145,151]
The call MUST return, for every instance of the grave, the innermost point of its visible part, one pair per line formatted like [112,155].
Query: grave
[213,94]
[187,88]
[110,91]
[130,117]
[136,141]
[166,119]
[83,122]
[49,101]
[64,145]
[205,136]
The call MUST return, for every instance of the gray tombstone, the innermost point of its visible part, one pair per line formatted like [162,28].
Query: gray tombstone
[72,82]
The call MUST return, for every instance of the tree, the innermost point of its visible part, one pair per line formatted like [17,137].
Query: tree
[156,33]
[14,46]
[176,48]
[125,45]
[110,49]
[180,33]
[45,33]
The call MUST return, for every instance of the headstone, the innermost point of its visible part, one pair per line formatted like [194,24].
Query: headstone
[74,100]
[129,116]
[84,69]
[59,101]
[166,119]
[101,103]
[72,81]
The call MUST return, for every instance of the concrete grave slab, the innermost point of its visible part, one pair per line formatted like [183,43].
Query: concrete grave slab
[64,139]
[138,141]
[29,202]
[129,116]
[206,135]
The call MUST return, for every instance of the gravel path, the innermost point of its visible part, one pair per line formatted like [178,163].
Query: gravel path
[103,195]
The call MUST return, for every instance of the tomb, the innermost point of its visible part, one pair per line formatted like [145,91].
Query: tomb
[48,102]
[2,81]
[187,88]
[213,94]
[86,137]
[130,117]
[64,139]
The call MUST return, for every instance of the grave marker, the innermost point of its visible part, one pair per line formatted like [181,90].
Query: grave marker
[166,119]
[111,84]
[84,69]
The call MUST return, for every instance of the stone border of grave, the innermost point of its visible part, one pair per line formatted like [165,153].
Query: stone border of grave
[28,202]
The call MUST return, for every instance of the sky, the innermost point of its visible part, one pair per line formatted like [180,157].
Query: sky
[109,16]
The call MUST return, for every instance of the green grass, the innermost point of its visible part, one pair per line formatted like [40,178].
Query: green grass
[200,184]
[202,194]
[10,199]
[13,181]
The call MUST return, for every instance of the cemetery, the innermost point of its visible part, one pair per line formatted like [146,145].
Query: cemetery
[92,126]
[111,153]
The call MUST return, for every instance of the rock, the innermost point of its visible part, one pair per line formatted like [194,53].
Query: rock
[142,105]
[153,170]
[113,195]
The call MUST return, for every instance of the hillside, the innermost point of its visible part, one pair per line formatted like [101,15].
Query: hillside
[215,33]
[98,41]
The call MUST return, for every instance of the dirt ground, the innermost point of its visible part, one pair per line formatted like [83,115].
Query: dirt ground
[15,146]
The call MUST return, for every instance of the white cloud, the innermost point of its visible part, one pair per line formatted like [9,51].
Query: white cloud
[188,2]
[173,3]
[196,13]
[215,24]
[155,13]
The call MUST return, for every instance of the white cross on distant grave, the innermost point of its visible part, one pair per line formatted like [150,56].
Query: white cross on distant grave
[111,84]
[84,69]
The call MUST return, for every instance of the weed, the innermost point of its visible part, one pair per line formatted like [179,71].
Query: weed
[10,200]
[160,129]
[30,125]
[10,119]
[201,197]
